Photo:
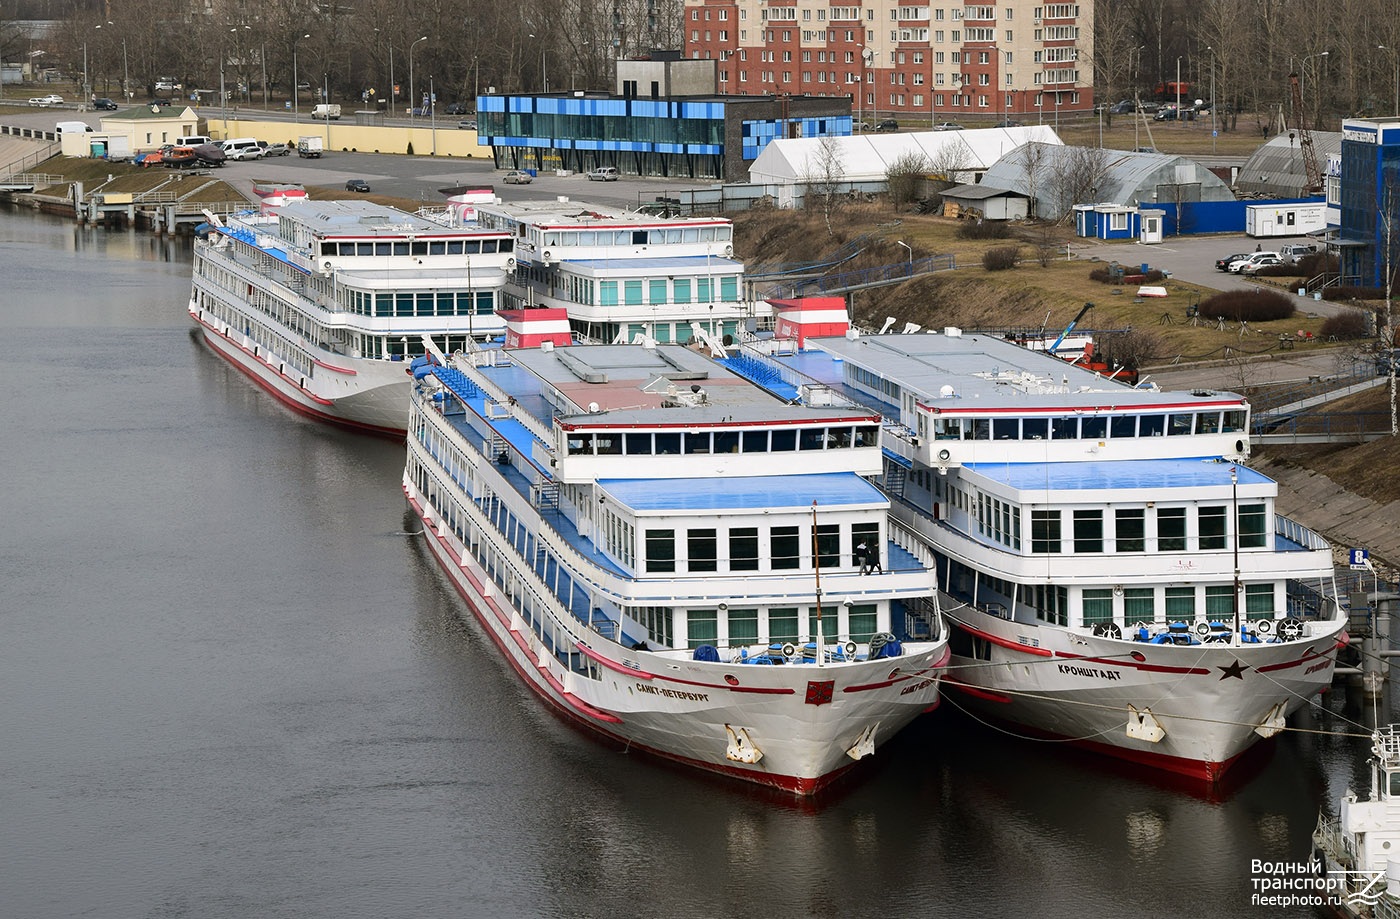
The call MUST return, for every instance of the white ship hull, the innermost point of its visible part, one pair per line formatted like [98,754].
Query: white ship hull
[709,715]
[366,395]
[1210,701]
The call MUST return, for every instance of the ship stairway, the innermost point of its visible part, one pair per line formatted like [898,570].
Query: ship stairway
[896,473]
[500,448]
[546,495]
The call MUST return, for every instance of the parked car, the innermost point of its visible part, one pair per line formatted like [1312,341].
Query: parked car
[603,174]
[1251,267]
[1295,251]
[1172,113]
[860,126]
[359,185]
[274,149]
[46,101]
[947,126]
[459,108]
[467,125]
[159,100]
[105,105]
[1146,150]
[1008,123]
[1223,264]
[1122,107]
[889,124]
[1237,266]
[518,177]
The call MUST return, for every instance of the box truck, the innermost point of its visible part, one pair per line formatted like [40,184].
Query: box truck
[310,146]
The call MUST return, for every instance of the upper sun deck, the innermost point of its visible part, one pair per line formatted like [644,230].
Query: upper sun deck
[325,237]
[550,232]
[610,405]
[978,398]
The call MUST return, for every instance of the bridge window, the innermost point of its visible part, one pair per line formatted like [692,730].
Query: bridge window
[755,441]
[697,442]
[812,439]
[638,444]
[1006,429]
[661,550]
[1035,428]
[1234,421]
[1045,532]
[784,441]
[785,553]
[1181,423]
[1211,523]
[1129,530]
[867,436]
[1088,531]
[743,549]
[1152,425]
[1122,426]
[1171,529]
[580,444]
[702,550]
[668,442]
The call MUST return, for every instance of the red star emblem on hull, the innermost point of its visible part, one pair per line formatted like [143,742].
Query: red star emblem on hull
[819,692]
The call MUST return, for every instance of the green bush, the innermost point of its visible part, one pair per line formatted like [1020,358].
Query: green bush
[1000,258]
[1348,324]
[1248,306]
[983,229]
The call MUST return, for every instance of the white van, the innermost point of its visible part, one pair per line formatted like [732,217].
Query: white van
[242,148]
[71,127]
[192,141]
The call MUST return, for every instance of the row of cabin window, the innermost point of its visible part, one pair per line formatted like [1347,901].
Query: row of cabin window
[420,247]
[421,303]
[1092,427]
[787,548]
[780,624]
[657,236]
[646,443]
[1051,602]
[1179,604]
[1130,531]
[664,291]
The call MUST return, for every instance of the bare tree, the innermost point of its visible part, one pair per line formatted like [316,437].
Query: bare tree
[1075,174]
[825,172]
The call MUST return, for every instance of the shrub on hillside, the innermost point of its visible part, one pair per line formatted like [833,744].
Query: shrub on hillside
[983,229]
[1353,293]
[1247,306]
[1000,258]
[1348,324]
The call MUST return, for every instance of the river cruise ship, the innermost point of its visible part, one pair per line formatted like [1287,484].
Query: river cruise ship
[323,303]
[1114,572]
[674,558]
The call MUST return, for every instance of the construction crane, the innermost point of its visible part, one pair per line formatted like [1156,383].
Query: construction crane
[1305,144]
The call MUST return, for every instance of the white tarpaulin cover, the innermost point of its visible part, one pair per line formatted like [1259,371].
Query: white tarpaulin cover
[868,157]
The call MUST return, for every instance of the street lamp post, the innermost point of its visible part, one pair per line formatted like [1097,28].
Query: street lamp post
[296,81]
[412,100]
[1303,76]
[911,255]
[1178,89]
[87,88]
[1212,97]
[264,68]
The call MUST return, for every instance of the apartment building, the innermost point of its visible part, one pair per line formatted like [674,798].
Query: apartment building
[1014,60]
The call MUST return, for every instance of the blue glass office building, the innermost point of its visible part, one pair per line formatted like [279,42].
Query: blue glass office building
[1370,191]
[694,137]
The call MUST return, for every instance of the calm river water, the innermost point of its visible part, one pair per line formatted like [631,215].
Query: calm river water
[231,686]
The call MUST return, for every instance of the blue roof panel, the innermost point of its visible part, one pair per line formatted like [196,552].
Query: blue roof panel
[747,493]
[1117,474]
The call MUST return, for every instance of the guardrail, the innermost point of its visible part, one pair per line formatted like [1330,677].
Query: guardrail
[1264,398]
[37,179]
[866,277]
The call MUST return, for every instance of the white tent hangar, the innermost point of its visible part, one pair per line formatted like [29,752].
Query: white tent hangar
[1045,173]
[869,157]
